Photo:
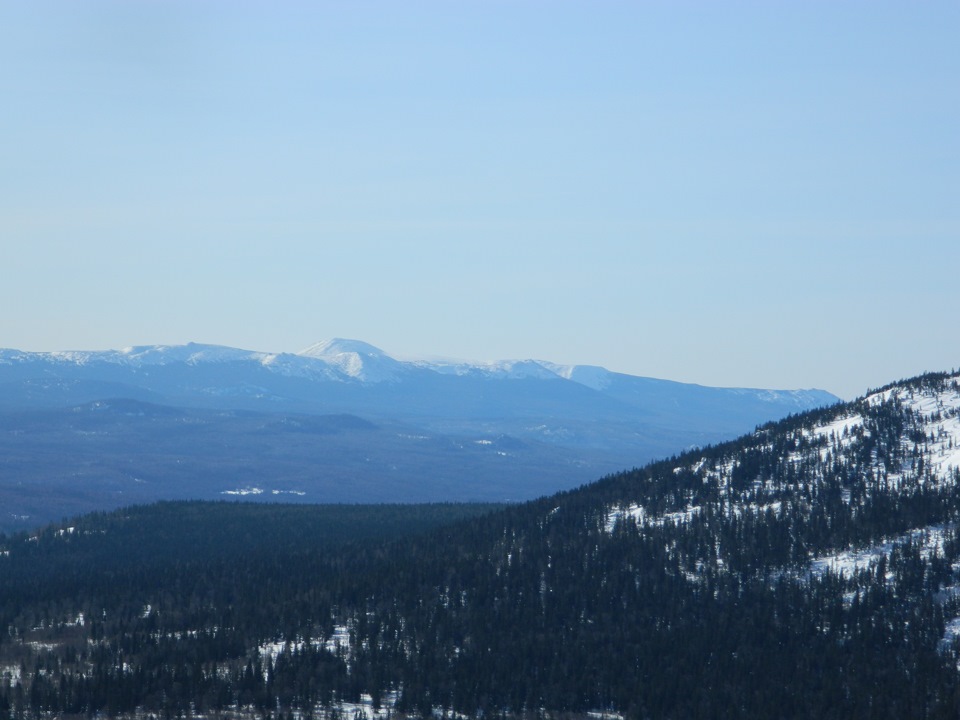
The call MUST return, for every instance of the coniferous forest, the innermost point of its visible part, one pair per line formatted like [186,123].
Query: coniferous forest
[809,569]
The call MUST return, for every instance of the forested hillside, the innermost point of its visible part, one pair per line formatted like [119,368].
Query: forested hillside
[809,569]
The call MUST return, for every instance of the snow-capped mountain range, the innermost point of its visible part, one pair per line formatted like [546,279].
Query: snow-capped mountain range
[579,404]
[352,361]
[338,359]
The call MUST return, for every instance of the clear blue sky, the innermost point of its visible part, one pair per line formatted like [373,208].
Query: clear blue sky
[735,193]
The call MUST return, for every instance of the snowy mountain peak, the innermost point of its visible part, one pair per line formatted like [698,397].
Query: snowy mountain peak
[339,346]
[356,359]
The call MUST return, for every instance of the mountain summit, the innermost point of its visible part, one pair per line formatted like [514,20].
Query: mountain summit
[355,359]
[340,346]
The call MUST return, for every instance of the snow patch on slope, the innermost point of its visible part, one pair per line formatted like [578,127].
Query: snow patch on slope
[847,563]
[640,516]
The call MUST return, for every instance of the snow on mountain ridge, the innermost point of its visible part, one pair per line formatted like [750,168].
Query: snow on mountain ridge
[346,360]
[191,354]
[341,346]
[512,369]
[353,354]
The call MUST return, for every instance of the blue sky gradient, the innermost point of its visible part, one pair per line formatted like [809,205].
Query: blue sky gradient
[737,194]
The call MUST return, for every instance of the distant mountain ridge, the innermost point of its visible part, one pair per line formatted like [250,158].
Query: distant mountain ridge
[437,430]
[355,361]
[539,400]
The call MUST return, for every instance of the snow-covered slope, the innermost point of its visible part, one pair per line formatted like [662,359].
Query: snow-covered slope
[862,497]
[904,438]
[861,460]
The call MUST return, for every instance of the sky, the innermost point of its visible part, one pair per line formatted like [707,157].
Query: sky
[761,194]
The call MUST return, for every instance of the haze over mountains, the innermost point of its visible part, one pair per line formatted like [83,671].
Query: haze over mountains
[341,421]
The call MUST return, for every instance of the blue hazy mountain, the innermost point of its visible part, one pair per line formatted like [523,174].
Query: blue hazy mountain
[198,421]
